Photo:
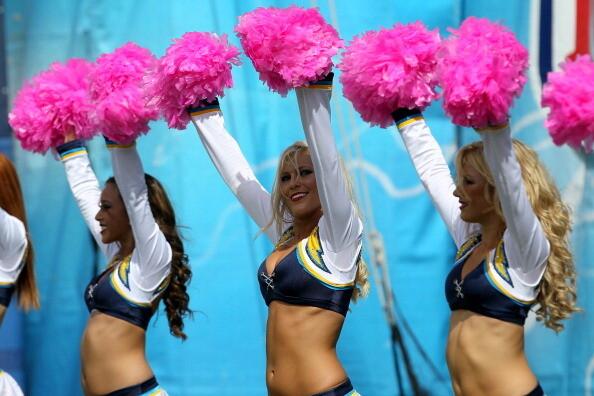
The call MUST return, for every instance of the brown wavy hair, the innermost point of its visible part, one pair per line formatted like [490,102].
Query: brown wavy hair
[11,200]
[175,296]
[281,215]
[557,296]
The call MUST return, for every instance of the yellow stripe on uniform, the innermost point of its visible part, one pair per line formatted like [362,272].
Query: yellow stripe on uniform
[409,121]
[116,287]
[73,154]
[323,87]
[495,282]
[304,260]
[196,113]
[118,145]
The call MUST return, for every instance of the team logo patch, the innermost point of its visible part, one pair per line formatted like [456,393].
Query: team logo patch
[124,272]
[314,251]
[501,265]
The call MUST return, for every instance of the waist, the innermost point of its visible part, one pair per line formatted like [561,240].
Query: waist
[112,354]
[316,372]
[301,349]
[486,356]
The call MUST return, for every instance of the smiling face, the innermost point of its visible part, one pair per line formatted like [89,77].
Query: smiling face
[472,190]
[298,187]
[112,216]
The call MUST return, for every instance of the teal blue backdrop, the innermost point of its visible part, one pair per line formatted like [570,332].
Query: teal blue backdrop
[225,352]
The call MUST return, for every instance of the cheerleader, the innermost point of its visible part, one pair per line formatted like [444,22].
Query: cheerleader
[16,255]
[315,269]
[136,230]
[511,228]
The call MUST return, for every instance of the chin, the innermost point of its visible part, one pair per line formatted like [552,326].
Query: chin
[467,218]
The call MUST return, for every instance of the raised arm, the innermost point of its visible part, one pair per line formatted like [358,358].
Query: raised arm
[84,186]
[152,252]
[231,164]
[525,241]
[433,170]
[340,224]
[13,243]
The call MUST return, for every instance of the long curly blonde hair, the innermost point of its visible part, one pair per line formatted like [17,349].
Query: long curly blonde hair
[281,217]
[557,295]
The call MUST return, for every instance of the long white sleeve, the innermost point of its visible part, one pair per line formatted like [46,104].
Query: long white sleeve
[13,244]
[435,175]
[340,226]
[525,242]
[85,189]
[151,259]
[231,164]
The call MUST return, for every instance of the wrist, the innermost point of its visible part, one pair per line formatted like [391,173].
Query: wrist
[204,107]
[71,149]
[403,116]
[113,144]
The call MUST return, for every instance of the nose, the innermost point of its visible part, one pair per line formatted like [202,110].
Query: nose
[295,182]
[457,192]
[98,216]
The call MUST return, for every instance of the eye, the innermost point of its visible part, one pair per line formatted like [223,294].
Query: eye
[467,181]
[104,205]
[285,178]
[305,172]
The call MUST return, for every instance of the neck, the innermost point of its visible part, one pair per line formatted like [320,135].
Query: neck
[302,228]
[492,232]
[126,246]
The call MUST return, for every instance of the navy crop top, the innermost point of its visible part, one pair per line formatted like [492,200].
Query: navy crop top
[321,270]
[506,284]
[295,282]
[128,290]
[105,294]
[480,290]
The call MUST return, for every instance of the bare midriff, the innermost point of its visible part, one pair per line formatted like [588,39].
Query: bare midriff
[486,356]
[301,355]
[113,356]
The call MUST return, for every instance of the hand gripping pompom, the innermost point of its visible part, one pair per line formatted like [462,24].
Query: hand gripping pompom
[117,88]
[53,104]
[289,47]
[569,94]
[195,67]
[481,70]
[390,69]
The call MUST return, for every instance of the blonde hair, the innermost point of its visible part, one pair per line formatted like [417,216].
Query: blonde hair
[557,295]
[281,215]
[11,200]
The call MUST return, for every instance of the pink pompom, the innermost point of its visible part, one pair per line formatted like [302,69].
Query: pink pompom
[54,103]
[569,93]
[482,68]
[289,47]
[195,67]
[116,87]
[390,69]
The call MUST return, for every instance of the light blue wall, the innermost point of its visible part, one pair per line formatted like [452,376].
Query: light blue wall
[224,354]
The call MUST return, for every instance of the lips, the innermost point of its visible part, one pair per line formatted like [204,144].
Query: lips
[297,196]
[463,205]
[103,227]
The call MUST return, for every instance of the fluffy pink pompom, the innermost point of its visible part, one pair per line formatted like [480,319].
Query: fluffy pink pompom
[390,69]
[195,67]
[482,68]
[54,103]
[116,87]
[569,93]
[289,47]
